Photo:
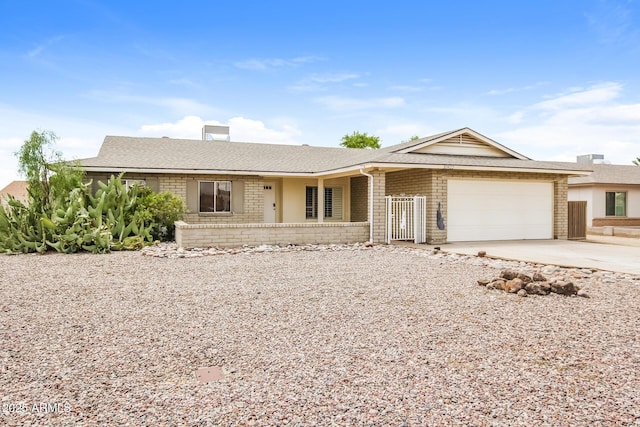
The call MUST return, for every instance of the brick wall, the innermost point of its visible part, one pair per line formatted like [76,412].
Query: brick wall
[379,207]
[617,221]
[233,235]
[359,198]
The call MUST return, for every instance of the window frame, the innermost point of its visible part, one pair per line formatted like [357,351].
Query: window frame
[611,210]
[215,197]
[128,183]
[311,210]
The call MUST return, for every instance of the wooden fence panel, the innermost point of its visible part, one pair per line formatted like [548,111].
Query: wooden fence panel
[577,220]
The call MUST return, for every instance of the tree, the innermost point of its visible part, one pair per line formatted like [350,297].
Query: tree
[360,140]
[49,177]
[412,138]
[636,161]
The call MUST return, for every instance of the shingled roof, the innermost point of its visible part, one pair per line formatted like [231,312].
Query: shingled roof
[18,189]
[609,174]
[122,153]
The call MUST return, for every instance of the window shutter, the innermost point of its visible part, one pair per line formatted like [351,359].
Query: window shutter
[152,183]
[337,203]
[237,196]
[192,195]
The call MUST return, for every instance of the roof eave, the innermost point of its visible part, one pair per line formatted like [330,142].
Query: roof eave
[352,168]
[476,168]
[197,171]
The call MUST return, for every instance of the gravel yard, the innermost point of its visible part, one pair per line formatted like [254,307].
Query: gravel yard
[323,336]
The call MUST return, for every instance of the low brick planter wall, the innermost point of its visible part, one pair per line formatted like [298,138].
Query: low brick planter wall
[615,231]
[233,235]
[616,222]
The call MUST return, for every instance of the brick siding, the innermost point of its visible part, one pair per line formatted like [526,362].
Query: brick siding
[616,221]
[233,235]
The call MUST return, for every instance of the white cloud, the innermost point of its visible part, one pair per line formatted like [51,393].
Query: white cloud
[320,82]
[184,81]
[398,132]
[612,22]
[333,77]
[516,117]
[267,64]
[578,97]
[39,49]
[345,104]
[515,89]
[178,106]
[582,121]
[406,88]
[240,129]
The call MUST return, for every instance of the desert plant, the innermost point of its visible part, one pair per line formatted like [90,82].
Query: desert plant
[162,210]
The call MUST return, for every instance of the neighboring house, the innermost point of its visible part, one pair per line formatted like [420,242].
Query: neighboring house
[17,189]
[612,193]
[236,193]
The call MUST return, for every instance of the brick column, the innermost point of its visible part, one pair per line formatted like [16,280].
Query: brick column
[379,206]
[561,208]
[438,195]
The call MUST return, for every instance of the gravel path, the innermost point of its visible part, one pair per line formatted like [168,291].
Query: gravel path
[311,336]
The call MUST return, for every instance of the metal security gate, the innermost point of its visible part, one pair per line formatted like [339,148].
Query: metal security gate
[406,218]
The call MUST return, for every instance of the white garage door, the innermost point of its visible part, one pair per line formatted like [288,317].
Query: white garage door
[499,210]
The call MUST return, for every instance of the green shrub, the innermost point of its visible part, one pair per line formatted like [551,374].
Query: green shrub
[161,210]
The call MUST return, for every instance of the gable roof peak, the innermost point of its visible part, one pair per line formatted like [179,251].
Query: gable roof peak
[484,146]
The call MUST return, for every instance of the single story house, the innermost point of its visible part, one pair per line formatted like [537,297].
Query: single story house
[612,193]
[470,188]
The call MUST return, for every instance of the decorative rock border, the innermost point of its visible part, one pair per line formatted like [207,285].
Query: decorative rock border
[522,284]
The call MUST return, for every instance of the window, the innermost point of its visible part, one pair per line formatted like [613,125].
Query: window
[215,196]
[131,182]
[616,203]
[332,203]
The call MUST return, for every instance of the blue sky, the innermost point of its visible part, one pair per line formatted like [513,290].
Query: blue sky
[549,79]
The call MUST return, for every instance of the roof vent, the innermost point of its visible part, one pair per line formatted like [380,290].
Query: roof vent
[589,158]
[215,133]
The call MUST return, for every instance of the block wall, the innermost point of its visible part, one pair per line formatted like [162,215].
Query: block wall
[233,235]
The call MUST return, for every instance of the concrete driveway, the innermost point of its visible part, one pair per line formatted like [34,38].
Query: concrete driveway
[617,254]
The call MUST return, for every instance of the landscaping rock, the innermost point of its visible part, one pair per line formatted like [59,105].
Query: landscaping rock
[508,274]
[514,285]
[497,284]
[531,284]
[538,277]
[537,288]
[582,293]
[525,278]
[564,288]
[522,293]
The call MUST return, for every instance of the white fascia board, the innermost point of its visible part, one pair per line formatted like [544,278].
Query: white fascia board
[355,168]
[476,168]
[195,171]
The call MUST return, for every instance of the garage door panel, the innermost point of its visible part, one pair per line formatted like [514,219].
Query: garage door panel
[499,210]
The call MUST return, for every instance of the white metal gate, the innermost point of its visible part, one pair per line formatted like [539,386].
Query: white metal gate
[407,218]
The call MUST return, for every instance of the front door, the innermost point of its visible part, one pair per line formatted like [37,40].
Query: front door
[269,202]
